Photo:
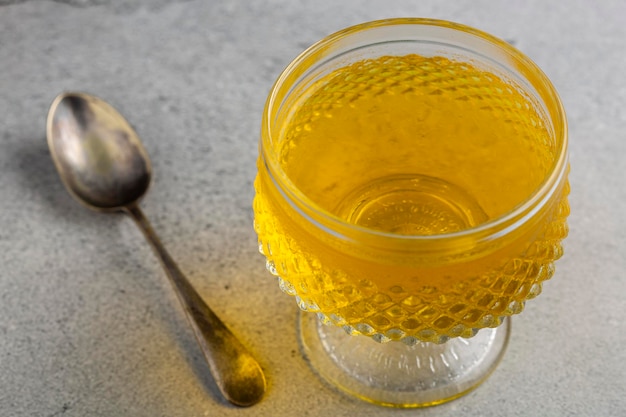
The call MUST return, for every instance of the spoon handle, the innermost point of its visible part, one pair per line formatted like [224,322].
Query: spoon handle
[236,373]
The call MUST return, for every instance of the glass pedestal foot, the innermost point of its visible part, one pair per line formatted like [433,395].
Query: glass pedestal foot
[395,374]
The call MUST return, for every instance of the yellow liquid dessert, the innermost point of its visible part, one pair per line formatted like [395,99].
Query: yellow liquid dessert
[410,146]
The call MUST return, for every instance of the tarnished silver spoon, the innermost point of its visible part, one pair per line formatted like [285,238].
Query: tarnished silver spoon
[103,165]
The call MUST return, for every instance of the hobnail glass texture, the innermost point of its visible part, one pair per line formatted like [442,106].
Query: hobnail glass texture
[435,316]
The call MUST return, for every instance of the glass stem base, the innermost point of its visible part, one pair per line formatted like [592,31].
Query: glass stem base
[397,375]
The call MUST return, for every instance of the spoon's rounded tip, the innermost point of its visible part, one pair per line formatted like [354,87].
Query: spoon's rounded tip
[249,392]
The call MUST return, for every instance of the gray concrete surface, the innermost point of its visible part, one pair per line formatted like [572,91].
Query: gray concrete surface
[88,323]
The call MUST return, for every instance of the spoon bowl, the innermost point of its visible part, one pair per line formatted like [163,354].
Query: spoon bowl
[103,164]
[99,156]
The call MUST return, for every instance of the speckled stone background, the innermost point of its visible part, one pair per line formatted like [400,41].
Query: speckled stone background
[88,323]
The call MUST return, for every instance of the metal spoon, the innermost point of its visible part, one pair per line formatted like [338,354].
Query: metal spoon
[103,165]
